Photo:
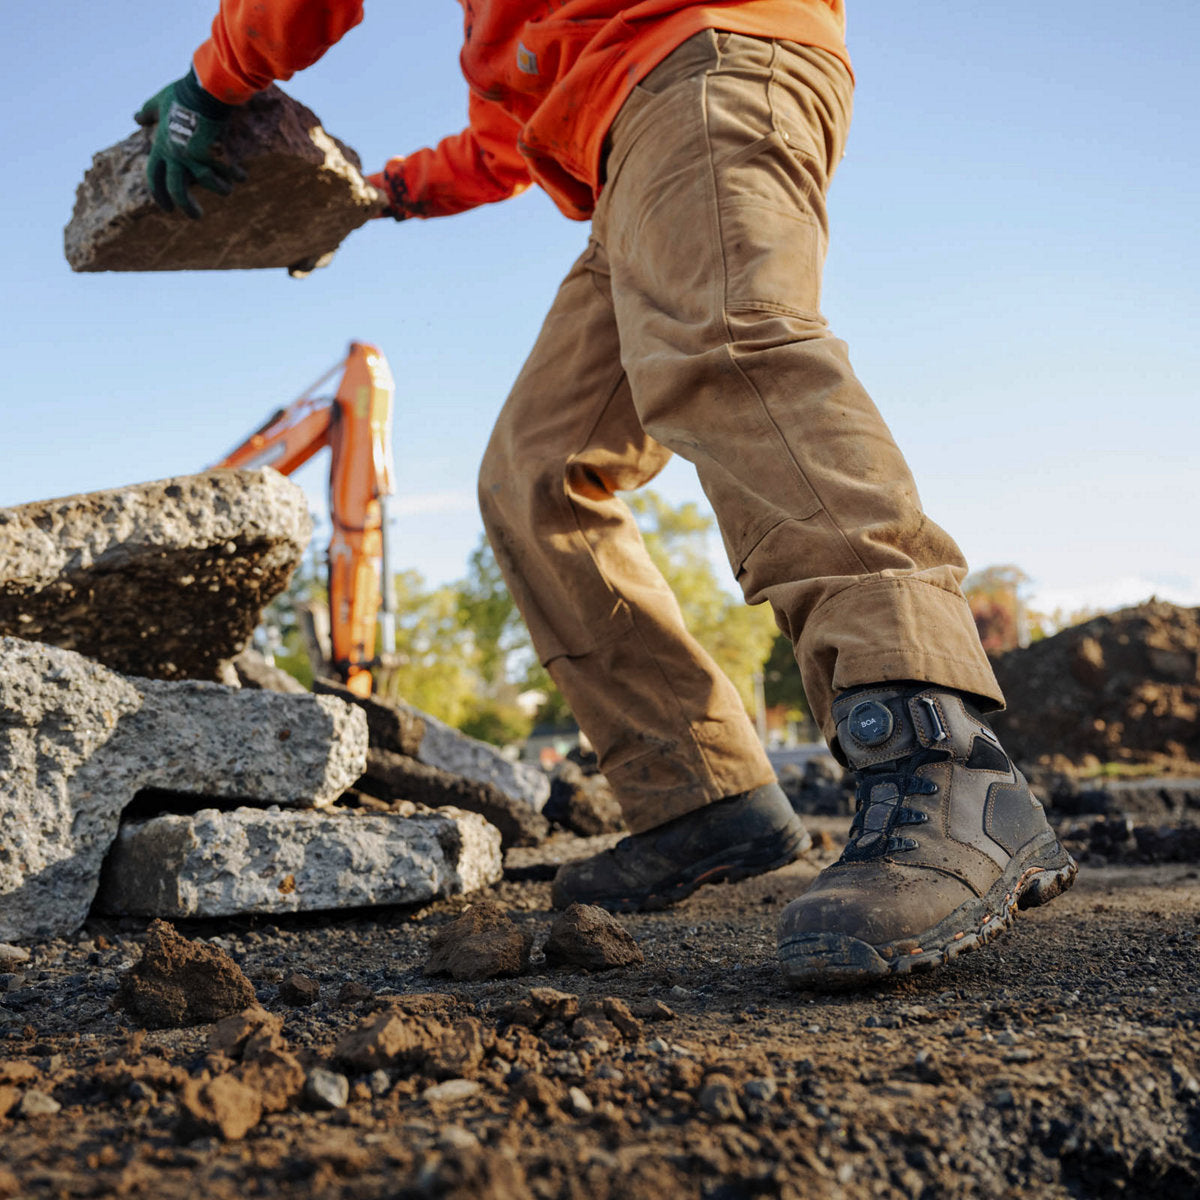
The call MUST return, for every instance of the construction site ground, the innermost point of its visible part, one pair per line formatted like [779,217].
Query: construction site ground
[1061,1060]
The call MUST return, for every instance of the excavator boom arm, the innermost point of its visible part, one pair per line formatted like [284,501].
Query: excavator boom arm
[357,427]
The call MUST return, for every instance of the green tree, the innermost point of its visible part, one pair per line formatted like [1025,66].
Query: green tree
[738,637]
[994,597]
[782,682]
[436,667]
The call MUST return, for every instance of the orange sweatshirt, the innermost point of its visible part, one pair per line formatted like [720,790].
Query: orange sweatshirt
[547,77]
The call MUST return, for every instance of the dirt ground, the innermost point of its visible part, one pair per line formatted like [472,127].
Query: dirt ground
[1062,1060]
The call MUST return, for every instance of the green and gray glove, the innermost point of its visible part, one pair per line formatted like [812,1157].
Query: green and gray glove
[189,122]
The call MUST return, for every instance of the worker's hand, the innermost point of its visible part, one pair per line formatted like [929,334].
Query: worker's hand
[393,188]
[189,122]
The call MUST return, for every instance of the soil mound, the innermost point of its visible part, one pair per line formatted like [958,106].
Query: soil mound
[1122,688]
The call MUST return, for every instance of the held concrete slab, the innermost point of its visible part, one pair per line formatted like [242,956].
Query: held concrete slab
[303,194]
[401,729]
[78,741]
[163,580]
[215,864]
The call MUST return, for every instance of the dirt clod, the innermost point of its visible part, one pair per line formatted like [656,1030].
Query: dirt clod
[297,990]
[223,1107]
[483,943]
[180,982]
[589,937]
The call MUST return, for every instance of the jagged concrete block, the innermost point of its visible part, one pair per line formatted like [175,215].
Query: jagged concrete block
[78,741]
[404,730]
[398,777]
[303,194]
[164,580]
[216,864]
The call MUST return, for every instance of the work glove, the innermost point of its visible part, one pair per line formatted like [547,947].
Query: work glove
[394,190]
[189,123]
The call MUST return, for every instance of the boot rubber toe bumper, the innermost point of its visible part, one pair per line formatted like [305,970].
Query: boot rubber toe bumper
[1037,874]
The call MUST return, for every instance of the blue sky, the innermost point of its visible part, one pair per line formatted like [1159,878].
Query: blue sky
[1015,266]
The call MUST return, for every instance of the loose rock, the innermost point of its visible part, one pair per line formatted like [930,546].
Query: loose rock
[326,1089]
[403,730]
[160,580]
[37,1104]
[298,990]
[393,776]
[452,1091]
[583,803]
[12,956]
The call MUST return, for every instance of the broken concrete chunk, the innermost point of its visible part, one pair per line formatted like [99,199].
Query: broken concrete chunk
[403,730]
[78,741]
[162,580]
[303,194]
[215,864]
[397,777]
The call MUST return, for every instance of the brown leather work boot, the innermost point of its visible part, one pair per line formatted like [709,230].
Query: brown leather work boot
[947,843]
[731,839]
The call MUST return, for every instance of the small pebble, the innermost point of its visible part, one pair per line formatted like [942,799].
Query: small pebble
[299,989]
[326,1089]
[763,1090]
[451,1092]
[578,1101]
[455,1137]
[380,1082]
[37,1104]
[11,956]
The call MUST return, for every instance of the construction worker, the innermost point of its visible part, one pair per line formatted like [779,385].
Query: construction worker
[700,141]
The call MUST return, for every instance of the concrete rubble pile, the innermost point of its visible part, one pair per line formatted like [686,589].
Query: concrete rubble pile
[415,757]
[304,192]
[81,738]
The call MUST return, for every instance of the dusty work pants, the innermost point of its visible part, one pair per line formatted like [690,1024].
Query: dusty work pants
[691,325]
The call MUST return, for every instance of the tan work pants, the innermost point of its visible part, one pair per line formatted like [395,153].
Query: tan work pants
[691,325]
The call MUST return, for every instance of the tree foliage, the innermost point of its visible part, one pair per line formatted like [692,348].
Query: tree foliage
[436,667]
[994,596]
[738,637]
[463,654]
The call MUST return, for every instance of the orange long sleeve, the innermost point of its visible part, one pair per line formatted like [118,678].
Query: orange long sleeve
[477,166]
[253,42]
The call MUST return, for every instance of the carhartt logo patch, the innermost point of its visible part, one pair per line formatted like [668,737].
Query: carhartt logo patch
[526,60]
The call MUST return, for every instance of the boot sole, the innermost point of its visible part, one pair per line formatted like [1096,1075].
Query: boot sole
[1039,873]
[731,865]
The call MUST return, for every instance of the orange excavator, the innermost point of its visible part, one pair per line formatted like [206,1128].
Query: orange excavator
[356,424]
